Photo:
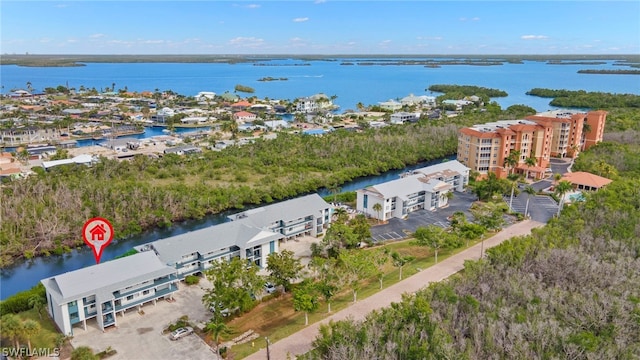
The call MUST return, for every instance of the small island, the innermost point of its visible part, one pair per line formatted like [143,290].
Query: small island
[610,72]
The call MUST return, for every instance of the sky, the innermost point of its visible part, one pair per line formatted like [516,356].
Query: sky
[319,27]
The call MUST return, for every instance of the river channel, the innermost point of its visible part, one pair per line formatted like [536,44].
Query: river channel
[24,275]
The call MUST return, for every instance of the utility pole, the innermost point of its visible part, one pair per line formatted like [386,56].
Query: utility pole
[481,246]
[266,339]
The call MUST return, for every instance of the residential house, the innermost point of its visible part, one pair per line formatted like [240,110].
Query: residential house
[391,105]
[84,159]
[183,150]
[403,117]
[98,293]
[423,100]
[244,116]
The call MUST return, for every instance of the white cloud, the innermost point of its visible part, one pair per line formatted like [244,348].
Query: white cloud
[61,6]
[96,36]
[534,37]
[429,37]
[301,19]
[320,1]
[252,6]
[241,41]
[45,40]
[475,19]
[469,19]
[153,41]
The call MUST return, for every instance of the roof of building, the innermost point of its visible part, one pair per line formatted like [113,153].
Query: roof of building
[444,167]
[211,239]
[244,114]
[105,278]
[80,159]
[263,217]
[586,179]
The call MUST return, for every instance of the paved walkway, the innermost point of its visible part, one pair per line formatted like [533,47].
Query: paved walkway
[300,342]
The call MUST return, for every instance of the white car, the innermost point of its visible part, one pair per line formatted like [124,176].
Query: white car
[269,288]
[181,332]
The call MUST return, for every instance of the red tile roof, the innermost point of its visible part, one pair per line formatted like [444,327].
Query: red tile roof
[586,179]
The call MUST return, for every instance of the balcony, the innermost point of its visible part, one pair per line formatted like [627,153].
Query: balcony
[107,307]
[152,295]
[90,313]
[156,282]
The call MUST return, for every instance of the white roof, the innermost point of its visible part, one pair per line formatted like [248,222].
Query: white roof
[80,159]
[453,165]
[105,278]
[292,209]
[210,240]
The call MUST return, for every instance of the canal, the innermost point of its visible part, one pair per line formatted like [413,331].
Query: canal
[24,275]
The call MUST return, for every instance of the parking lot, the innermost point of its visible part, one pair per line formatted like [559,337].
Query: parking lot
[140,336]
[541,207]
[396,229]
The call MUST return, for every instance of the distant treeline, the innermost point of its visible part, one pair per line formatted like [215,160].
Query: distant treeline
[610,72]
[467,59]
[587,100]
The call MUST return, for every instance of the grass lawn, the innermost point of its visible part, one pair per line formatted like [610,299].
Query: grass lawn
[276,318]
[45,338]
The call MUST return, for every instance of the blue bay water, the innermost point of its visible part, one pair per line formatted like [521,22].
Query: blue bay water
[351,85]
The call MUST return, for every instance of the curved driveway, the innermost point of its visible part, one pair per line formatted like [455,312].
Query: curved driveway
[300,342]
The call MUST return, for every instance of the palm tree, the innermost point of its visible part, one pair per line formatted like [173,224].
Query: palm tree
[562,188]
[530,161]
[556,178]
[377,208]
[37,303]
[513,180]
[530,191]
[30,329]
[512,160]
[216,329]
[340,214]
[12,328]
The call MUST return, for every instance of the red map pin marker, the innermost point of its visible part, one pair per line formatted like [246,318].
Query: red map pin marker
[97,233]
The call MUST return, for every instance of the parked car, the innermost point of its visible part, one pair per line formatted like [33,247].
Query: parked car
[269,288]
[224,311]
[181,332]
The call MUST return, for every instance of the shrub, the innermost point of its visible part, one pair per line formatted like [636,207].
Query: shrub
[20,301]
[191,280]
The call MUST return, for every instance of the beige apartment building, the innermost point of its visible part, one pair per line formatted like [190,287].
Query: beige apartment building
[486,147]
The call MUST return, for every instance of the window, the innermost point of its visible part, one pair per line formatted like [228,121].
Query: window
[146,292]
[130,297]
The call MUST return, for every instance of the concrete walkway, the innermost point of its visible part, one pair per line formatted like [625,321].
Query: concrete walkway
[300,342]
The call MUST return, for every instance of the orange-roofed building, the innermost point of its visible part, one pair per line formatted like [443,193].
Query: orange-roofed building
[484,148]
[240,105]
[583,180]
[570,135]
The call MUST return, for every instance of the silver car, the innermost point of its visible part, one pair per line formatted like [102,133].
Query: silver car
[181,332]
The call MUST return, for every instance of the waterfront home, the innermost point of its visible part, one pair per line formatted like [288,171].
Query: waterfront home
[403,117]
[425,188]
[423,100]
[391,105]
[98,293]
